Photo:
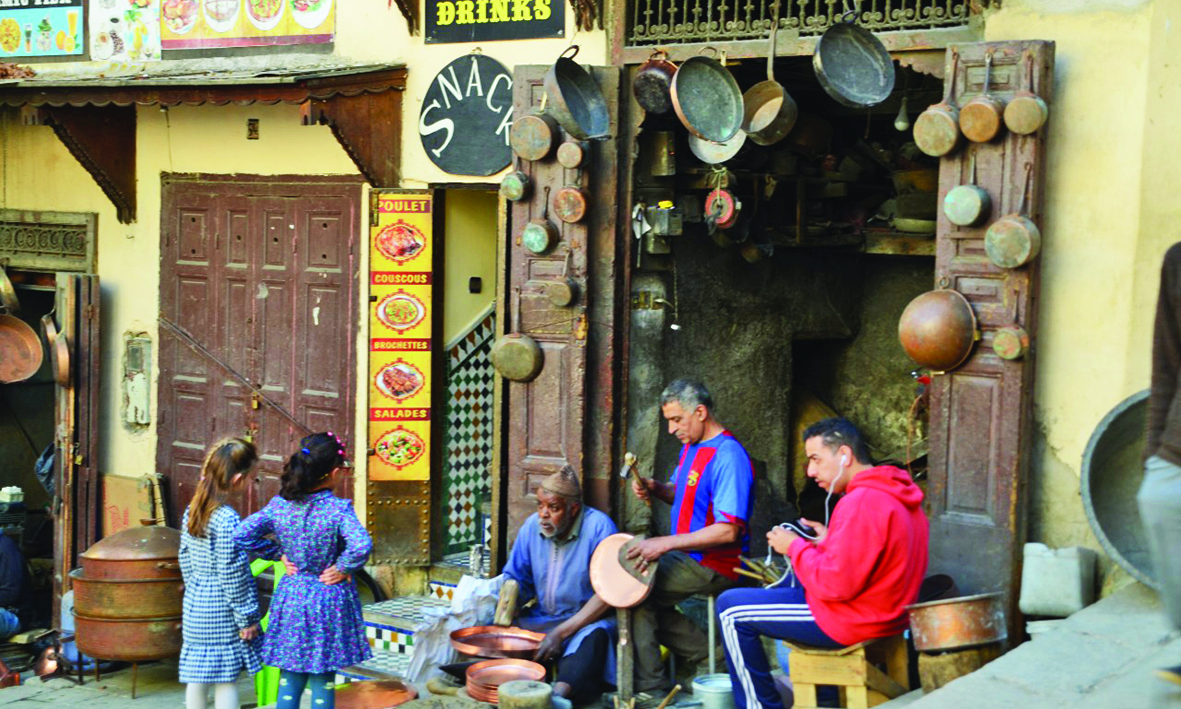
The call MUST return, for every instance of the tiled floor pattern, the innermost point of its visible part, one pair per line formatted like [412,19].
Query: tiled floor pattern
[467,474]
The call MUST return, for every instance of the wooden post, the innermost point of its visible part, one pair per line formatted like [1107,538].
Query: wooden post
[624,657]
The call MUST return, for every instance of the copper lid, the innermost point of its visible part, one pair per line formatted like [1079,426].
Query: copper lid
[137,544]
[610,580]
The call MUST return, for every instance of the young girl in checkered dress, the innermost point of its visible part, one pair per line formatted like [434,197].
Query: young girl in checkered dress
[221,601]
[315,615]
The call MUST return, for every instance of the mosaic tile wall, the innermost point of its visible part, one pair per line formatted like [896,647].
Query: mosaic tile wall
[467,475]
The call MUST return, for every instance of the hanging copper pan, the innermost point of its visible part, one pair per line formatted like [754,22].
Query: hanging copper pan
[1027,111]
[852,65]
[769,112]
[937,130]
[707,98]
[20,350]
[59,351]
[575,100]
[982,117]
[653,81]
[1014,240]
[570,204]
[533,136]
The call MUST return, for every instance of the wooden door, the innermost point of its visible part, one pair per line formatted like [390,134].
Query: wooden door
[547,417]
[262,276]
[77,507]
[980,413]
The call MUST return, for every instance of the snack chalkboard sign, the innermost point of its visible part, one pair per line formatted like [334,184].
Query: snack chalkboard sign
[466,114]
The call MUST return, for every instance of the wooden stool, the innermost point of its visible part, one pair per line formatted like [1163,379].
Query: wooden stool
[854,670]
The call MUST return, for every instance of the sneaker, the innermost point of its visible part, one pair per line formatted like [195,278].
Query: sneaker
[1170,674]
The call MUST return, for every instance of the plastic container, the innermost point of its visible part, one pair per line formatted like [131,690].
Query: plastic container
[714,691]
[1057,582]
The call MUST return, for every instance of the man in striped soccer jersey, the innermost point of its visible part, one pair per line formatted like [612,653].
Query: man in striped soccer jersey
[710,493]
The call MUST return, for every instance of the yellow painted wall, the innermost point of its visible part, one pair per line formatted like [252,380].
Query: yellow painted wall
[39,174]
[470,250]
[1111,211]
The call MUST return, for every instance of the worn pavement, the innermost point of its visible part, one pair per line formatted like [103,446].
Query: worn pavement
[1103,656]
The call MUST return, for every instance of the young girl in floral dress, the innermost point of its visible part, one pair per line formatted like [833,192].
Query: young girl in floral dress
[316,626]
[220,622]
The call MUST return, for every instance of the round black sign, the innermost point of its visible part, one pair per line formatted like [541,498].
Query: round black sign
[466,115]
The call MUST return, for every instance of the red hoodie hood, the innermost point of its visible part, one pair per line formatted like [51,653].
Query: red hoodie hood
[890,480]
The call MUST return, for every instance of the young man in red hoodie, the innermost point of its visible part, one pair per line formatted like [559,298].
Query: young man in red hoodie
[851,582]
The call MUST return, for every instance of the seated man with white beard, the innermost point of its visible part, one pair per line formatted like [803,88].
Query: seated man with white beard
[551,562]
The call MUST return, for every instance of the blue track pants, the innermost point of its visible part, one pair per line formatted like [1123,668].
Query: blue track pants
[746,613]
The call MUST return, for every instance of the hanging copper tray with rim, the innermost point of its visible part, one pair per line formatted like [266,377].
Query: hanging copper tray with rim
[497,641]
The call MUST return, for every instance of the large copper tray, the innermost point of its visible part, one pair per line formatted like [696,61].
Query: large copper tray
[374,694]
[610,580]
[497,641]
[483,678]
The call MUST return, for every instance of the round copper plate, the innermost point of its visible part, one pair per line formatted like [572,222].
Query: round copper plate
[610,580]
[483,678]
[374,694]
[496,641]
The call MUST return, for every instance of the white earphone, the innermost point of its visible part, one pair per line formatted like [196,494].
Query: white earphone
[844,460]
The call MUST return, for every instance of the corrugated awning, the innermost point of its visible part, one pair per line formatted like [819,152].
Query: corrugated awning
[188,85]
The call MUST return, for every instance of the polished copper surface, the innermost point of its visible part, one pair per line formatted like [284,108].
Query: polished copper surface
[374,694]
[20,350]
[483,678]
[496,641]
[610,580]
[938,329]
[136,553]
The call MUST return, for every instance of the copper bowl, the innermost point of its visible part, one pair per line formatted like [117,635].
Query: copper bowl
[938,329]
[483,678]
[957,623]
[497,641]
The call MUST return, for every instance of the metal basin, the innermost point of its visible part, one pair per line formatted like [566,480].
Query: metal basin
[1111,475]
[957,623]
[128,640]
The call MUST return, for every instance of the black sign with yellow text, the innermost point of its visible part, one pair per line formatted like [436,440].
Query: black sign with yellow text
[451,21]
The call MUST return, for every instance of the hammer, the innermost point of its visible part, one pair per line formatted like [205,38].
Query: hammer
[629,470]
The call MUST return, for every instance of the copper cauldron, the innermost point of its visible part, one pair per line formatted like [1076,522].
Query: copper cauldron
[147,552]
[126,598]
[129,640]
[957,623]
[938,329]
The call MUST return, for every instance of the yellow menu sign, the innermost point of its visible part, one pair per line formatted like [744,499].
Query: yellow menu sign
[206,24]
[400,262]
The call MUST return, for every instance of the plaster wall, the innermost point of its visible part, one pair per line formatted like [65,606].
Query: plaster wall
[1110,214]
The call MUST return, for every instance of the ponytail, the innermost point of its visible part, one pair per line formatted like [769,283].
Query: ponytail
[319,454]
[227,458]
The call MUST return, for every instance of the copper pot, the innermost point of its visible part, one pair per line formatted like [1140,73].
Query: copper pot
[653,81]
[20,350]
[938,329]
[126,598]
[130,640]
[957,623]
[147,552]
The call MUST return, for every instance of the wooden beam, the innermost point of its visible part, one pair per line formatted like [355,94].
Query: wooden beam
[369,128]
[102,139]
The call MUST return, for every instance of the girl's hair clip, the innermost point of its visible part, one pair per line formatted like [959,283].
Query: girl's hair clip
[306,451]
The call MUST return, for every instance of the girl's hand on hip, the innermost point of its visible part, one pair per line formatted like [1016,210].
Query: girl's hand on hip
[332,576]
[288,567]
